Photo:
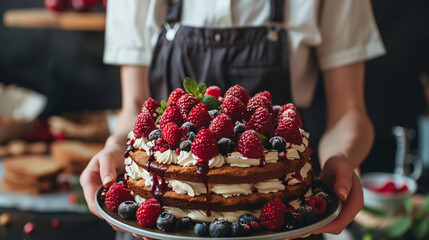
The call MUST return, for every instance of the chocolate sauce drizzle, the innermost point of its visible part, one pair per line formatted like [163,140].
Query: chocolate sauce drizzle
[159,185]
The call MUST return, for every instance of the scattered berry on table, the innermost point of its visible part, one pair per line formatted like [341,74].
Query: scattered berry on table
[220,228]
[148,212]
[29,227]
[201,229]
[226,146]
[166,222]
[55,223]
[117,194]
[128,209]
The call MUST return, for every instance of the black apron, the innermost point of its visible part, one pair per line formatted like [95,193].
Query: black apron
[256,58]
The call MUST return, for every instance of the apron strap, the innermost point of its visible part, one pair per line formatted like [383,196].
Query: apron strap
[175,7]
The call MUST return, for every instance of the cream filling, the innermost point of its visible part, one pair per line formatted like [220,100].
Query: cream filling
[270,186]
[295,203]
[304,174]
[229,190]
[291,153]
[200,215]
[236,159]
[166,157]
[185,159]
[271,156]
[308,193]
[136,172]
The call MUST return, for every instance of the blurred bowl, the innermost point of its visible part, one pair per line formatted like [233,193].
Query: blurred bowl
[386,202]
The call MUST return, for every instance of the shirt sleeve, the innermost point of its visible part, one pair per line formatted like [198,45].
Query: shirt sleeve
[349,33]
[128,32]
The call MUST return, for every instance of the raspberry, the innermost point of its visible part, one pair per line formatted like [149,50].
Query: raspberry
[272,215]
[175,96]
[222,126]
[238,92]
[275,115]
[259,101]
[117,194]
[171,114]
[317,203]
[186,103]
[255,225]
[261,122]
[265,94]
[199,116]
[249,145]
[148,212]
[286,107]
[150,106]
[204,145]
[288,129]
[143,125]
[233,107]
[213,91]
[171,134]
[292,114]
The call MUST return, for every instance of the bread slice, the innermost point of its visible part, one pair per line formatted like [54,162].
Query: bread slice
[32,166]
[74,155]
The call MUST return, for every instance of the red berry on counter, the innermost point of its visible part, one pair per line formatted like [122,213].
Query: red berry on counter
[272,214]
[148,212]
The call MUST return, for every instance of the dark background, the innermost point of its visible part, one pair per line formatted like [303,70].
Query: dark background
[67,67]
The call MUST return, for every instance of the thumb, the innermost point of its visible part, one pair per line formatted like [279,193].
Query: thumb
[107,169]
[343,182]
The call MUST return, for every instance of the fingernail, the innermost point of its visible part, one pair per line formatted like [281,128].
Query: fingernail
[343,193]
[107,180]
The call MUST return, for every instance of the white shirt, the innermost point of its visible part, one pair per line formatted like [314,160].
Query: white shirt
[322,34]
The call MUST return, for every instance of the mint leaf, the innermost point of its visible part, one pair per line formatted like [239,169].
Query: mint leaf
[160,110]
[398,227]
[190,86]
[164,104]
[263,138]
[202,88]
[421,229]
[157,120]
[210,102]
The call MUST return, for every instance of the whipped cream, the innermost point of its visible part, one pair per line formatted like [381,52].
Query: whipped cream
[308,193]
[229,190]
[305,170]
[270,186]
[271,156]
[291,152]
[291,180]
[185,187]
[295,203]
[217,162]
[166,157]
[186,159]
[236,159]
[136,172]
[200,215]
[139,200]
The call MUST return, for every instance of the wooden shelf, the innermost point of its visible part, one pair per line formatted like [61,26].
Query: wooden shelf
[41,18]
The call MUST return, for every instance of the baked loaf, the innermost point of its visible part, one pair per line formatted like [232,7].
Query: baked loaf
[207,159]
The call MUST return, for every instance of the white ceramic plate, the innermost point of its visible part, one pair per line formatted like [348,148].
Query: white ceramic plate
[133,227]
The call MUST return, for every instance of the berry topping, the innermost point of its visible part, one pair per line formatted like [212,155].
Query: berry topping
[175,96]
[155,134]
[237,229]
[183,131]
[191,136]
[214,113]
[190,126]
[233,107]
[260,121]
[220,228]
[275,115]
[143,125]
[249,145]
[272,215]
[117,194]
[201,229]
[150,105]
[185,145]
[184,223]
[213,91]
[199,116]
[186,103]
[257,102]
[286,107]
[317,203]
[225,146]
[128,209]
[166,222]
[204,145]
[326,197]
[247,218]
[222,126]
[239,128]
[148,213]
[171,134]
[266,94]
[171,114]
[290,113]
[277,143]
[238,92]
[289,130]
[255,225]
[307,214]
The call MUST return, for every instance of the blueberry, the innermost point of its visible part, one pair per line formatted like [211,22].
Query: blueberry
[225,146]
[155,134]
[277,143]
[191,136]
[276,107]
[298,220]
[307,214]
[239,128]
[220,228]
[191,127]
[247,218]
[184,223]
[237,229]
[166,222]
[185,145]
[214,113]
[127,210]
[201,229]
